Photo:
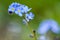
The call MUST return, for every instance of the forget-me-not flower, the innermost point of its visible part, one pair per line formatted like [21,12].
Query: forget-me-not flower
[24,21]
[29,16]
[20,11]
[26,9]
[13,7]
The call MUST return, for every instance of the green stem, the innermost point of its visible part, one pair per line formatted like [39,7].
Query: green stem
[34,32]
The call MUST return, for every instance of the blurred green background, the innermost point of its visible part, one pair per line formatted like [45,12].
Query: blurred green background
[42,9]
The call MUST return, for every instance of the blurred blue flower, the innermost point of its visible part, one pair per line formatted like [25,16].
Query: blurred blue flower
[47,25]
[24,21]
[59,29]
[13,7]
[29,16]
[20,9]
[44,27]
[54,26]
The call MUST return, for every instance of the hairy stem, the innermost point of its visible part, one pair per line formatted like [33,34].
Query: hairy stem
[33,32]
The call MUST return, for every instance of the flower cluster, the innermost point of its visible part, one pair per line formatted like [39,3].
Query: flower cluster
[47,25]
[20,9]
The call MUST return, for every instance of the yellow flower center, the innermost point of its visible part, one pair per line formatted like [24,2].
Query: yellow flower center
[18,10]
[12,8]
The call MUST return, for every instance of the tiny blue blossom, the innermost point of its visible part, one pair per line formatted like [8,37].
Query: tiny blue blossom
[26,9]
[24,21]
[29,16]
[19,11]
[13,6]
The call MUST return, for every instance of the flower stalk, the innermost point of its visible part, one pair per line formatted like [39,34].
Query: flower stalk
[33,32]
[23,11]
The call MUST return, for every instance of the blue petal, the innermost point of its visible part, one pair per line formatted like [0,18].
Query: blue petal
[15,5]
[24,21]
[31,14]
[47,25]
[54,27]
[26,9]
[20,14]
[44,27]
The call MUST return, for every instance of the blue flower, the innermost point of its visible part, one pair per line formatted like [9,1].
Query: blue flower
[47,25]
[13,6]
[19,10]
[29,16]
[26,9]
[44,27]
[54,26]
